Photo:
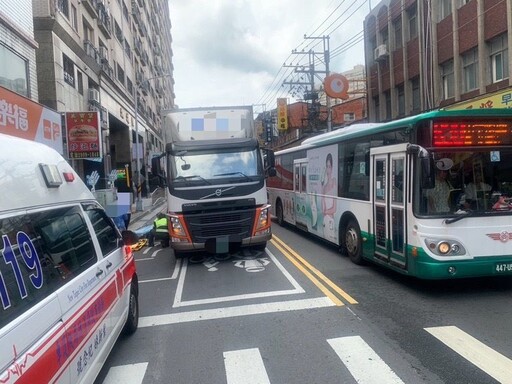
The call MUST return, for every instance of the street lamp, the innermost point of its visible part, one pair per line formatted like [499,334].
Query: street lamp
[138,203]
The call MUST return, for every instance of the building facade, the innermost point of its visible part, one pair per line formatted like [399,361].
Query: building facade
[18,48]
[426,54]
[114,57]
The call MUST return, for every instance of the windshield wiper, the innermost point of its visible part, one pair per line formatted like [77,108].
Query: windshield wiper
[234,173]
[460,215]
[192,177]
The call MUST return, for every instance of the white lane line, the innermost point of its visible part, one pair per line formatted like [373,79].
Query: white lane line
[148,248]
[245,366]
[361,360]
[177,267]
[487,359]
[243,310]
[155,280]
[126,374]
[178,302]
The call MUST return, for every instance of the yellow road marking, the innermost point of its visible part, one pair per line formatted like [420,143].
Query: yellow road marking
[315,281]
[337,289]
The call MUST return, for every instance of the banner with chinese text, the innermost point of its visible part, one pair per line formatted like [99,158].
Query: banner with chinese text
[29,120]
[282,114]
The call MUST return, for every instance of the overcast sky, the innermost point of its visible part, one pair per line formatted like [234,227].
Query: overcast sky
[231,52]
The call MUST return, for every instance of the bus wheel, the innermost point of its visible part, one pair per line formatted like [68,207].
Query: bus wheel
[353,242]
[279,213]
[132,322]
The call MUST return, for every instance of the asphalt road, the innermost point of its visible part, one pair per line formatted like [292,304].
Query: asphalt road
[302,313]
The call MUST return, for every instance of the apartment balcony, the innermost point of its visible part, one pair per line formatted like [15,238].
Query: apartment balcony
[144,58]
[138,45]
[91,6]
[104,23]
[107,69]
[136,14]
[90,50]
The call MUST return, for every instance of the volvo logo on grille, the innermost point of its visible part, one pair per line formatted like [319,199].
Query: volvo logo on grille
[218,192]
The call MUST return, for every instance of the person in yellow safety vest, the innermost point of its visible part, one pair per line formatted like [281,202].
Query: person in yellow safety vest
[160,231]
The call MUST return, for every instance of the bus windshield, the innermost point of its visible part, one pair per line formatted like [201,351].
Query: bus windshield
[239,166]
[476,182]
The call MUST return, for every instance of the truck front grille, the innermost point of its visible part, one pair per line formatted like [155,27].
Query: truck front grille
[206,225]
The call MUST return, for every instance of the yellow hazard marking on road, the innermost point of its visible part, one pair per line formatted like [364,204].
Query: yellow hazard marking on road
[302,264]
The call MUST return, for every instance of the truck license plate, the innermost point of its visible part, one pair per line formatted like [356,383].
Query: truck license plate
[503,267]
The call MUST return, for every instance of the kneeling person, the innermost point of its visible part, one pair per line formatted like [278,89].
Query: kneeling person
[160,231]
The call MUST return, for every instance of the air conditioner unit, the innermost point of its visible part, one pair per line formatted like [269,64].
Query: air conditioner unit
[380,52]
[104,53]
[94,95]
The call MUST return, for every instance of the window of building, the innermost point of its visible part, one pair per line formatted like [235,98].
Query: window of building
[470,70]
[349,116]
[413,22]
[80,82]
[376,103]
[74,18]
[118,31]
[499,58]
[397,28]
[88,31]
[445,8]
[401,100]
[63,6]
[387,96]
[462,2]
[15,75]
[69,70]
[448,79]
[120,74]
[416,99]
[129,85]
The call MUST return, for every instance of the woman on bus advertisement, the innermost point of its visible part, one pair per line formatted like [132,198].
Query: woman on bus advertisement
[323,170]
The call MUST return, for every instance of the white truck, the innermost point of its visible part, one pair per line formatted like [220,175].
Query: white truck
[215,180]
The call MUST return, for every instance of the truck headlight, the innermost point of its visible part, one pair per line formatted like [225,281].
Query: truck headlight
[262,221]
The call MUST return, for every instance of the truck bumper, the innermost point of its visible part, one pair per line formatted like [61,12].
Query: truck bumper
[224,244]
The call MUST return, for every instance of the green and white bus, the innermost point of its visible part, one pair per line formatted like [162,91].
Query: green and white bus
[426,195]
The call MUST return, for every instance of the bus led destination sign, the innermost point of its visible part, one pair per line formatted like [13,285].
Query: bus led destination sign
[464,133]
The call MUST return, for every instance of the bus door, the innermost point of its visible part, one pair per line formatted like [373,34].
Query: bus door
[389,203]
[300,167]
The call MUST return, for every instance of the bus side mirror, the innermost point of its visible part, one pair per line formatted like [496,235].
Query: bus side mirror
[428,171]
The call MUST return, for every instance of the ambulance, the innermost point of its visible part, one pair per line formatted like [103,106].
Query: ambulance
[68,283]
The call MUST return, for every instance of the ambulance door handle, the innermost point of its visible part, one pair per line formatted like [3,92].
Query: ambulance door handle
[109,265]
[99,273]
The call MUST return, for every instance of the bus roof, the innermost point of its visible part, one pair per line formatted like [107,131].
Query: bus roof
[358,130]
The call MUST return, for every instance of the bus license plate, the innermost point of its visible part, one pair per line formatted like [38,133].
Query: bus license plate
[503,267]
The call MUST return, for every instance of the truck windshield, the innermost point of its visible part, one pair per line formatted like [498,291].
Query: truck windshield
[468,183]
[241,166]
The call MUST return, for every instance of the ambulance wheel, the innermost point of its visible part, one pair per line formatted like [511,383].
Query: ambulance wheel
[132,322]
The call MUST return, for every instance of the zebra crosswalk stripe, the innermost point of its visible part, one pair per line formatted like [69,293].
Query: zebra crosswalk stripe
[487,359]
[362,362]
[126,374]
[245,366]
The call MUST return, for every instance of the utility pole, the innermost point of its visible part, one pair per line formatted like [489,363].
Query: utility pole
[312,72]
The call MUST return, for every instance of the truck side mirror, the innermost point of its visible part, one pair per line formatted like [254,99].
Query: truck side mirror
[156,170]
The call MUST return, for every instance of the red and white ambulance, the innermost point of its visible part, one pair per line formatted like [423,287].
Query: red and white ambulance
[68,283]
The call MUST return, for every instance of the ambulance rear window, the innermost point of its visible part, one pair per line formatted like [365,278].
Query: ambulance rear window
[41,252]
